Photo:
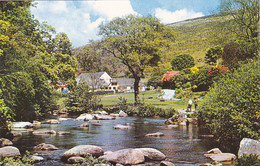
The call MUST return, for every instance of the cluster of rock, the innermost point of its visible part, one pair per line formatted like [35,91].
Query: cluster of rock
[181,119]
[131,156]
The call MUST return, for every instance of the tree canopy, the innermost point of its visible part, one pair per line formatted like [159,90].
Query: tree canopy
[30,58]
[137,41]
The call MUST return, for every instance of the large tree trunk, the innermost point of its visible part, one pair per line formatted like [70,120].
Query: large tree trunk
[136,90]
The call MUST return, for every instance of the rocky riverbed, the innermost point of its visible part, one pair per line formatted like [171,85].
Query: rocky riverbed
[115,138]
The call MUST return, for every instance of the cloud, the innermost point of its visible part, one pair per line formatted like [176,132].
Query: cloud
[80,20]
[169,17]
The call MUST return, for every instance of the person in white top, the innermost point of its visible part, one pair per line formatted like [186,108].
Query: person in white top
[189,105]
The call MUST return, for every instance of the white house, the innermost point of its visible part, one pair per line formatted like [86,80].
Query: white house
[97,81]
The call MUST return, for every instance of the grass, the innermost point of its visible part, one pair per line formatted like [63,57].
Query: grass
[147,97]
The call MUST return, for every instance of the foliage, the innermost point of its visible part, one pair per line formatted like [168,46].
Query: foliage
[248,160]
[194,69]
[216,70]
[20,161]
[182,61]
[245,17]
[82,100]
[200,80]
[150,111]
[231,108]
[137,41]
[239,50]
[90,160]
[30,57]
[212,55]
[122,103]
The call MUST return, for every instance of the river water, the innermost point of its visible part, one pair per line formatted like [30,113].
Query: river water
[181,145]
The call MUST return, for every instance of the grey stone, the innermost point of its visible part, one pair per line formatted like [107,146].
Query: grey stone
[152,154]
[22,125]
[37,158]
[44,146]
[5,142]
[249,146]
[166,163]
[53,121]
[9,151]
[82,151]
[76,159]
[157,134]
[125,157]
[122,114]
[223,157]
[84,125]
[44,132]
[123,127]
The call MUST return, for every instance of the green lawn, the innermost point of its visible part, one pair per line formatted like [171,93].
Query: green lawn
[148,97]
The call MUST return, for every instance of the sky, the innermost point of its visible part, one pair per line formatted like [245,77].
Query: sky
[80,19]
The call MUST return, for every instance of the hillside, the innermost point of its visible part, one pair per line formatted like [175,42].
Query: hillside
[193,36]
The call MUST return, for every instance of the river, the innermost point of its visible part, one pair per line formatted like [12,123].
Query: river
[181,145]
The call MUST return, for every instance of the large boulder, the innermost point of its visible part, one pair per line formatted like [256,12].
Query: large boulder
[125,157]
[9,151]
[152,154]
[82,151]
[44,132]
[44,146]
[85,117]
[22,125]
[249,146]
[5,142]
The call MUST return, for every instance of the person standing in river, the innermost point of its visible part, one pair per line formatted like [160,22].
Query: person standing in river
[189,105]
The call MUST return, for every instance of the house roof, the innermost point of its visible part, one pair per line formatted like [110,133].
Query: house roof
[169,74]
[126,81]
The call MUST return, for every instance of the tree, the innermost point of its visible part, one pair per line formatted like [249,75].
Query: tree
[137,41]
[182,61]
[245,17]
[29,58]
[212,55]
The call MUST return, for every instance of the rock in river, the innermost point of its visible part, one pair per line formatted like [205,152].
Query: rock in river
[157,134]
[44,132]
[125,157]
[82,151]
[123,127]
[249,146]
[5,142]
[9,151]
[44,146]
[152,154]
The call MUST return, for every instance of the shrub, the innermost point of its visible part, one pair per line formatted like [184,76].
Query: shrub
[231,108]
[150,111]
[182,61]
[212,55]
[81,99]
[248,160]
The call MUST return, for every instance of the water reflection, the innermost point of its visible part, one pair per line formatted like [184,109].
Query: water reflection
[181,145]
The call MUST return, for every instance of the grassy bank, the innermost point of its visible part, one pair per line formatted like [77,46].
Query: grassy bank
[147,97]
